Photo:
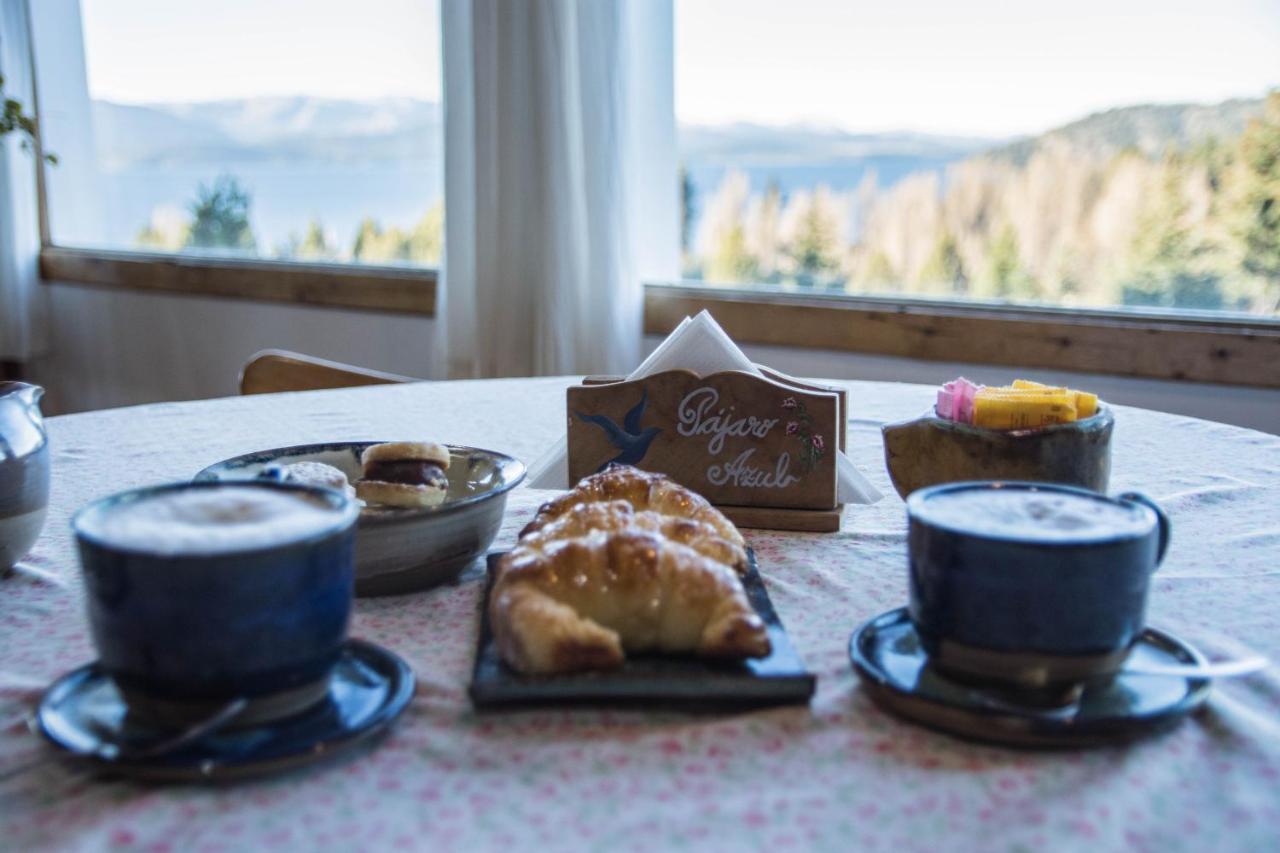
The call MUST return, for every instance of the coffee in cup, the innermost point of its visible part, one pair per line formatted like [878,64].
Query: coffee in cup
[202,593]
[207,521]
[1030,584]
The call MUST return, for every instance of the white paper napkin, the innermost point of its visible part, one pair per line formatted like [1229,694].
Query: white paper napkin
[700,345]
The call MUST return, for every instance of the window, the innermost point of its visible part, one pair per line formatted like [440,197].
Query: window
[1092,154]
[1090,186]
[214,130]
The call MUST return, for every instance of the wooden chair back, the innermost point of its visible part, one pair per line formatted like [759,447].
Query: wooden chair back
[273,370]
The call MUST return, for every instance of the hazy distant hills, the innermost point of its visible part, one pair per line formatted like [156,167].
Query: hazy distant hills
[324,128]
[752,144]
[390,129]
[1148,128]
[266,129]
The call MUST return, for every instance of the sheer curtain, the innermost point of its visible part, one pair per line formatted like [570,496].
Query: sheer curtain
[21,298]
[560,182]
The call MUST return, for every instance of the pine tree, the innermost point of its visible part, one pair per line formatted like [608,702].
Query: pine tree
[722,239]
[944,271]
[811,249]
[367,235]
[373,244]
[1171,267]
[1259,214]
[762,231]
[220,217]
[425,243]
[879,274]
[731,262]
[422,244]
[1006,277]
[814,242]
[688,197]
[313,245]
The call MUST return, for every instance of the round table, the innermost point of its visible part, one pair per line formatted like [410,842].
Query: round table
[839,773]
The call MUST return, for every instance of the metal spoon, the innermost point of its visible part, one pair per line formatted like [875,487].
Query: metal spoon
[1066,703]
[111,750]
[1215,669]
[39,574]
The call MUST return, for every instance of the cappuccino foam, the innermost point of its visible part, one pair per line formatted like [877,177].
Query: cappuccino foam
[1026,514]
[210,520]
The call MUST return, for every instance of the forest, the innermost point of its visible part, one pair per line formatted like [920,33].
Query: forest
[1061,221]
[219,221]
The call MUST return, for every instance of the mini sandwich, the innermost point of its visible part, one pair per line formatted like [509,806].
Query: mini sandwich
[404,473]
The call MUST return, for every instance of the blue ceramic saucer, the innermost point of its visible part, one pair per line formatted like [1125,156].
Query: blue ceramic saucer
[83,714]
[896,672]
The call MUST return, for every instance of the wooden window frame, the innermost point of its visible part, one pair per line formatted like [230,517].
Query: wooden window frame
[401,290]
[1180,346]
[1157,345]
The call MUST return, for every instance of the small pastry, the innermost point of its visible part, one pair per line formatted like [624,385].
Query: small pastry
[627,561]
[613,516]
[310,474]
[405,474]
[584,602]
[644,490]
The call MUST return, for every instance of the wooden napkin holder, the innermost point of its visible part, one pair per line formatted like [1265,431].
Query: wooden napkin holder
[762,449]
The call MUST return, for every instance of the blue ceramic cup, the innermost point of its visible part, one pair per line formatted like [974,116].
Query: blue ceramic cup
[184,626]
[1030,584]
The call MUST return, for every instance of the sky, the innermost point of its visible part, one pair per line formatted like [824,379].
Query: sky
[976,68]
[148,51]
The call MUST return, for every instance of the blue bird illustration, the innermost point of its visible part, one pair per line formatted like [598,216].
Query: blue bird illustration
[629,438]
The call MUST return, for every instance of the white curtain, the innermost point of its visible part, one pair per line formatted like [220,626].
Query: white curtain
[560,182]
[21,298]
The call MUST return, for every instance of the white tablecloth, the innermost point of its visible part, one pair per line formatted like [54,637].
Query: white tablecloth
[837,774]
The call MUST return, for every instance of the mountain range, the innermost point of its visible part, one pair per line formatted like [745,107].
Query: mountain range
[388,129]
[1147,128]
[266,129]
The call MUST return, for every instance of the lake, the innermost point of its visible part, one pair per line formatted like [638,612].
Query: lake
[285,197]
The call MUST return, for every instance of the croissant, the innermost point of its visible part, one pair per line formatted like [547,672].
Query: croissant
[644,491]
[610,516]
[567,605]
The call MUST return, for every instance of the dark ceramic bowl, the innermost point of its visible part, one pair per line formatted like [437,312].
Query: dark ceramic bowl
[1030,610]
[402,550]
[183,634]
[930,450]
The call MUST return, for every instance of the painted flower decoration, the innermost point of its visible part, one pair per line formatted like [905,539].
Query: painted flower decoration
[812,447]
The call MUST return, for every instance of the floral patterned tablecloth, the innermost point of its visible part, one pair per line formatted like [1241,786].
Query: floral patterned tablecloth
[837,774]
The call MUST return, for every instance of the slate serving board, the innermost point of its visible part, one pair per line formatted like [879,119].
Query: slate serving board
[651,681]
